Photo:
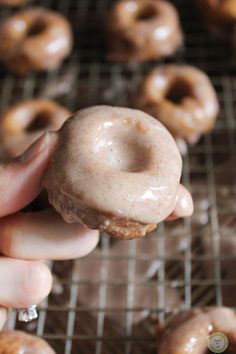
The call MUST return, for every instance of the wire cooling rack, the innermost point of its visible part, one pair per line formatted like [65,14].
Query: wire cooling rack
[110,301]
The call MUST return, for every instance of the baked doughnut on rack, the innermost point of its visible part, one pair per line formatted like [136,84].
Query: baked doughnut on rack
[220,15]
[17,342]
[140,30]
[182,98]
[117,170]
[189,332]
[34,39]
[24,122]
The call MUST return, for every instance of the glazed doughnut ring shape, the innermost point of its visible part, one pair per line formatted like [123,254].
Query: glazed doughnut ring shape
[117,170]
[188,333]
[140,30]
[182,98]
[34,39]
[17,342]
[24,122]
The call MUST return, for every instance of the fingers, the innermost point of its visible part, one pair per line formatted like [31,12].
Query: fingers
[184,204]
[44,235]
[23,283]
[3,317]
[20,180]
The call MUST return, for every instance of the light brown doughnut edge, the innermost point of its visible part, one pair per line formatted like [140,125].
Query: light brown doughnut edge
[139,30]
[188,332]
[182,98]
[25,121]
[18,342]
[220,15]
[34,39]
[12,2]
[114,169]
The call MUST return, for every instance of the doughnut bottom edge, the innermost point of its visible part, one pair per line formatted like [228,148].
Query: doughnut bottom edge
[74,210]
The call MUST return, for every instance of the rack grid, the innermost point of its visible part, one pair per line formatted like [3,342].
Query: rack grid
[110,301]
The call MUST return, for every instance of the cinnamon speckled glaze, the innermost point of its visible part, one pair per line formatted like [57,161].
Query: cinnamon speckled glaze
[17,342]
[34,40]
[117,170]
[182,98]
[140,30]
[188,332]
[24,122]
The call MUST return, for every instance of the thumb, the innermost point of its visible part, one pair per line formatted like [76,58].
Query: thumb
[20,179]
[183,204]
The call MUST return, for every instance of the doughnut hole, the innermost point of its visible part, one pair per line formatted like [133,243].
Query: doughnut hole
[40,121]
[178,90]
[146,13]
[124,152]
[36,28]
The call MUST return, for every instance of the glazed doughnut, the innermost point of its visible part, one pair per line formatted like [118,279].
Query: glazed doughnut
[220,15]
[140,30]
[117,170]
[24,122]
[17,342]
[188,333]
[182,98]
[34,39]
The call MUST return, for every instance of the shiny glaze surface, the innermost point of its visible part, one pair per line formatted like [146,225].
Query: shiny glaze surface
[143,29]
[182,98]
[115,160]
[34,39]
[24,122]
[188,333]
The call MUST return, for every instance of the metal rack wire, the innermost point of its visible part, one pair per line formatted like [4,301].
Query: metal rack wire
[183,264]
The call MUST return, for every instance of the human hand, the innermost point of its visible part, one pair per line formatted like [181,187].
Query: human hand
[27,238]
[183,204]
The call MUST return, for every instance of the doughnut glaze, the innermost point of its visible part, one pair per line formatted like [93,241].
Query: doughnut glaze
[182,98]
[17,342]
[220,15]
[140,30]
[34,40]
[24,122]
[188,333]
[114,169]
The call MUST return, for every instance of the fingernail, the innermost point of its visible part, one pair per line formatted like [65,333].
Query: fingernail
[38,146]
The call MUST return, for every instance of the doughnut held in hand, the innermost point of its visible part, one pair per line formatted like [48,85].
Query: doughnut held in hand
[189,332]
[34,40]
[140,30]
[24,122]
[182,98]
[117,170]
[17,342]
